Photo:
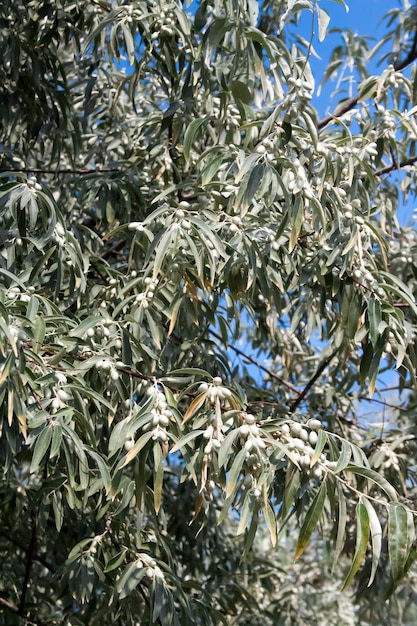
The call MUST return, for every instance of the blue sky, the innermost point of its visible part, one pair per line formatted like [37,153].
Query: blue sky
[365,17]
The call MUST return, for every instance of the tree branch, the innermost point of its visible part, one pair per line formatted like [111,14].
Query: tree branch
[14,609]
[399,407]
[80,172]
[341,109]
[18,544]
[411,56]
[301,395]
[255,362]
[396,166]
[29,560]
[350,104]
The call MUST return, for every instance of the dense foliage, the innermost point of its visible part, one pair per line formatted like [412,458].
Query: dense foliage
[200,279]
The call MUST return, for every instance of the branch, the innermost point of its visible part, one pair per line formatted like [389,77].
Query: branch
[350,104]
[341,109]
[29,560]
[399,407]
[259,365]
[40,170]
[14,609]
[301,395]
[396,166]
[37,558]
[411,56]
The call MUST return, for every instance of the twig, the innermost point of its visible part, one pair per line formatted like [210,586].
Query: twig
[26,616]
[396,166]
[80,172]
[340,110]
[255,362]
[350,104]
[29,560]
[399,407]
[301,395]
[411,56]
[18,544]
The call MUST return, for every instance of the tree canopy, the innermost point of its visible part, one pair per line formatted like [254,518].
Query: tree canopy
[201,278]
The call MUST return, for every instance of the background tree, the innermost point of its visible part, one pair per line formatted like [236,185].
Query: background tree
[200,278]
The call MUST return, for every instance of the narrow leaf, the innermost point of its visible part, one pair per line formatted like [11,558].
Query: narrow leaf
[311,519]
[362,536]
[376,536]
[398,544]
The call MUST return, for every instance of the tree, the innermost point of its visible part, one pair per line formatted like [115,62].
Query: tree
[200,281]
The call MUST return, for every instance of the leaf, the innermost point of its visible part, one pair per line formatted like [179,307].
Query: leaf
[90,393]
[371,474]
[247,510]
[41,446]
[102,466]
[344,458]
[341,524]
[255,178]
[323,21]
[115,561]
[184,440]
[362,536]
[58,509]
[374,318]
[158,476]
[89,322]
[269,516]
[398,540]
[235,471]
[241,92]
[376,536]
[226,446]
[129,42]
[311,519]
[195,405]
[400,288]
[141,443]
[130,579]
[189,136]
[318,448]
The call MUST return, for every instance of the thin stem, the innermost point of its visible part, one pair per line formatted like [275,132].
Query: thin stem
[14,609]
[386,404]
[78,172]
[411,56]
[29,560]
[341,109]
[396,166]
[255,362]
[301,395]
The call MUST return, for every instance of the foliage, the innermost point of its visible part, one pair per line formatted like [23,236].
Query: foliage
[200,279]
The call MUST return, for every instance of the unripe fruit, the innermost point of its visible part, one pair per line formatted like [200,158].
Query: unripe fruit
[129,443]
[296,428]
[208,433]
[208,448]
[317,472]
[296,457]
[62,395]
[314,424]
[305,461]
